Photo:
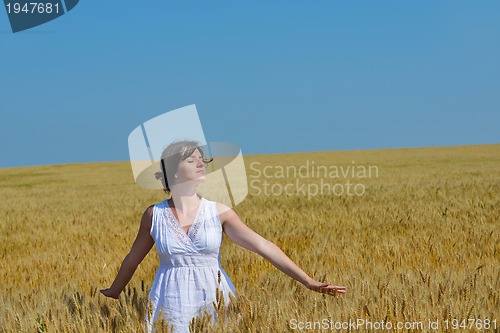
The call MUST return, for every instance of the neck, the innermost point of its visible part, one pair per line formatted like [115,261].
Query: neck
[183,198]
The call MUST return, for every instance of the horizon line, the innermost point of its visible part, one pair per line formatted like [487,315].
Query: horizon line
[264,154]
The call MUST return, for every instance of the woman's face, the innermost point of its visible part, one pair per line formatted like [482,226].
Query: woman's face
[192,168]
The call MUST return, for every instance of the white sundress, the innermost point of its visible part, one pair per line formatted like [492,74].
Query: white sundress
[187,278]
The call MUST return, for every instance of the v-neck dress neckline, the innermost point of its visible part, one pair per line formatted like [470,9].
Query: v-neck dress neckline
[195,225]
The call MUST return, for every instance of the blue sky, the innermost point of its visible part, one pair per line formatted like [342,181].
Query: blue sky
[272,76]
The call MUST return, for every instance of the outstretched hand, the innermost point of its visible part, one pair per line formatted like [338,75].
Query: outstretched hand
[326,288]
[108,293]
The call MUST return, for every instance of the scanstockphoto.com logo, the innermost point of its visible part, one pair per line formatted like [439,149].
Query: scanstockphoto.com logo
[24,15]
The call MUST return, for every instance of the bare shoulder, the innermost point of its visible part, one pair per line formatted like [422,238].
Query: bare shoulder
[147,217]
[225,213]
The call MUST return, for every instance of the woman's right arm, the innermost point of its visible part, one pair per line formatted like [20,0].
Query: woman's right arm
[142,245]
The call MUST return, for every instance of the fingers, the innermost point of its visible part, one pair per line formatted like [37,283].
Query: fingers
[107,293]
[332,290]
[340,289]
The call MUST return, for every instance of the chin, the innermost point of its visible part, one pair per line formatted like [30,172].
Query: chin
[198,178]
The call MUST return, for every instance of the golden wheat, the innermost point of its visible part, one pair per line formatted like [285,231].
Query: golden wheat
[420,244]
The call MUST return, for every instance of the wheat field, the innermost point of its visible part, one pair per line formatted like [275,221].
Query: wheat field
[417,246]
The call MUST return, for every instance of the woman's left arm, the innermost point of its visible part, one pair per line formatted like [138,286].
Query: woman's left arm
[242,235]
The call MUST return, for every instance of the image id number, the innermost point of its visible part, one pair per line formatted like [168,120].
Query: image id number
[32,8]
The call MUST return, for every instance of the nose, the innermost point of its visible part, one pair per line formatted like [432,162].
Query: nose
[201,163]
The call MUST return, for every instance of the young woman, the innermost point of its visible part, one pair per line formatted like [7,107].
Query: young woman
[187,230]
